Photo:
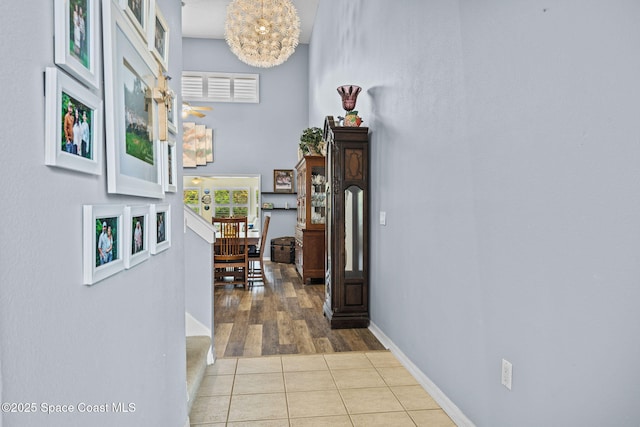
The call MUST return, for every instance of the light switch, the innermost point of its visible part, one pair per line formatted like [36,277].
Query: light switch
[383,218]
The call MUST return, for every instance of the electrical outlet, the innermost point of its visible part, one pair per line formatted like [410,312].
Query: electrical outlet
[507,373]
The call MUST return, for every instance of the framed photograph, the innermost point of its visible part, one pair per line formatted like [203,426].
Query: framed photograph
[170,178]
[136,234]
[158,35]
[134,160]
[102,246]
[188,144]
[160,228]
[283,181]
[209,144]
[73,124]
[77,39]
[138,13]
[201,143]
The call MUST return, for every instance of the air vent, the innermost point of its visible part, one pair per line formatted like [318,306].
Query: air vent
[220,87]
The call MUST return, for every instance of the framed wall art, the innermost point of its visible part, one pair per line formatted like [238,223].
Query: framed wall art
[209,144]
[172,115]
[160,228]
[170,178]
[188,144]
[102,247]
[136,235]
[132,149]
[77,39]
[73,124]
[283,181]
[138,13]
[158,35]
[201,144]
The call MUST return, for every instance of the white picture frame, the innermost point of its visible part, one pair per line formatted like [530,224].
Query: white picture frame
[137,12]
[158,35]
[131,113]
[170,167]
[77,39]
[172,116]
[137,223]
[160,236]
[72,143]
[98,264]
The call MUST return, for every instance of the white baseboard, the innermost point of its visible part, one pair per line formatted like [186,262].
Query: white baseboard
[445,403]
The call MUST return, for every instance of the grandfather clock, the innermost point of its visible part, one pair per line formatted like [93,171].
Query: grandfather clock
[347,226]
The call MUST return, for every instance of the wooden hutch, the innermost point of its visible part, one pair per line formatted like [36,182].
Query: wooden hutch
[309,249]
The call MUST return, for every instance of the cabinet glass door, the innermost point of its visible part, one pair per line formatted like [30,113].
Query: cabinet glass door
[353,232]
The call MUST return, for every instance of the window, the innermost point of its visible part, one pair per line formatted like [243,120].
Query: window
[229,202]
[220,87]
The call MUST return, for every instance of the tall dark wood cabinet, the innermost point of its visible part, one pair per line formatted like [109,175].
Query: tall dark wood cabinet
[309,252]
[347,226]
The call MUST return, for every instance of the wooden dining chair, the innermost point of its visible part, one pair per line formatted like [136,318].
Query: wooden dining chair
[256,261]
[230,259]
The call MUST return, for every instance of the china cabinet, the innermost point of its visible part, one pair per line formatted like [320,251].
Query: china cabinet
[347,226]
[309,250]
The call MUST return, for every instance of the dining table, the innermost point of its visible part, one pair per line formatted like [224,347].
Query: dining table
[253,236]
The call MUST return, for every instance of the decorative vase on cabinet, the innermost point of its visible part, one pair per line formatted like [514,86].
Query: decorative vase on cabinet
[309,251]
[347,226]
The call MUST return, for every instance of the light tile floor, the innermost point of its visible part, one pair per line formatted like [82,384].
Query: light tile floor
[366,389]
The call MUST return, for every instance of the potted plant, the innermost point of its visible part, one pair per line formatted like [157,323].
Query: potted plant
[311,141]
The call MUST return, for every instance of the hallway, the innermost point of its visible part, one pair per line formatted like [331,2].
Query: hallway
[310,375]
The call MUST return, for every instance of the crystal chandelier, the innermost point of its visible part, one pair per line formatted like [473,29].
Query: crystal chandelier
[262,33]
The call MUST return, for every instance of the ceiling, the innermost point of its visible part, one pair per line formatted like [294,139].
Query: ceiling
[205,18]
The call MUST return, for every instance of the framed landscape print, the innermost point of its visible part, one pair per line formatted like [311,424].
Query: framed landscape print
[158,35]
[134,160]
[160,228]
[77,39]
[73,124]
[283,180]
[170,178]
[136,233]
[103,236]
[138,13]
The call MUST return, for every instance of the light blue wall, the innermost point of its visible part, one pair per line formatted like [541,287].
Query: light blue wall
[505,153]
[120,340]
[255,138]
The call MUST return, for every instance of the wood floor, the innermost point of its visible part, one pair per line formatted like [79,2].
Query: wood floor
[282,317]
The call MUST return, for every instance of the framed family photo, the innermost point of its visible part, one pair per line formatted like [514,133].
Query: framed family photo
[160,228]
[170,178]
[103,236]
[73,124]
[283,181]
[134,160]
[138,13]
[158,35]
[136,233]
[77,39]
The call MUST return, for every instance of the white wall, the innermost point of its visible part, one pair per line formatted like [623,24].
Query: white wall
[121,340]
[505,152]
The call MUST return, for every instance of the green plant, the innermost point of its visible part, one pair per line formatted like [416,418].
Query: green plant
[310,140]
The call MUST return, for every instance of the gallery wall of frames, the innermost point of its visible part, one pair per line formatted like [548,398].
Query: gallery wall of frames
[118,48]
